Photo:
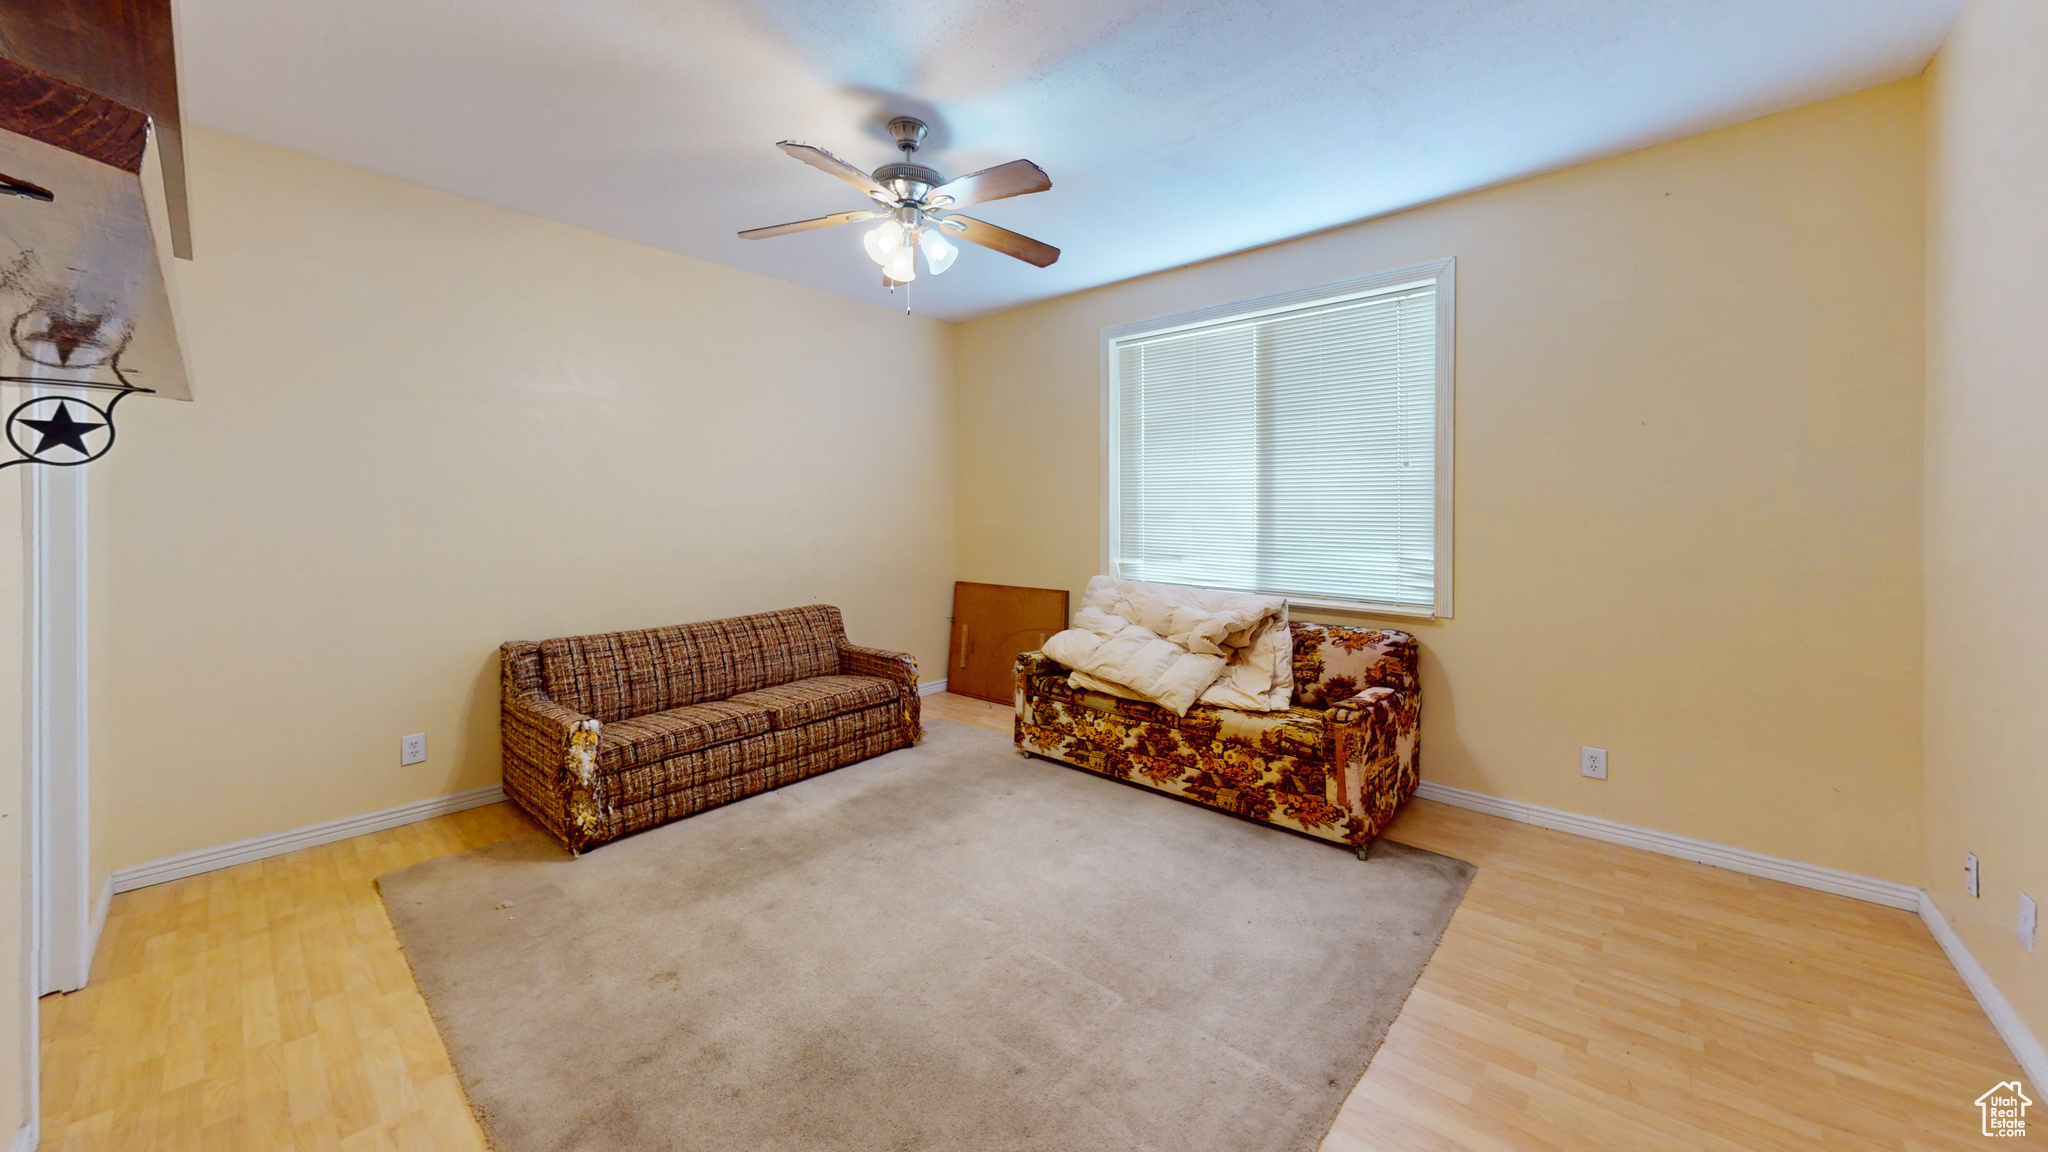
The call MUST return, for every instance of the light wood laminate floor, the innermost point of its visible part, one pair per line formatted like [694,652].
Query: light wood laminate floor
[1585,996]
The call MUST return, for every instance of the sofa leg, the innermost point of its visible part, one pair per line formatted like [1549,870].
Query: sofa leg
[1023,753]
[1365,850]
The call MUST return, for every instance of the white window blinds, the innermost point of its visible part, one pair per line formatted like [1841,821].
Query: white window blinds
[1292,452]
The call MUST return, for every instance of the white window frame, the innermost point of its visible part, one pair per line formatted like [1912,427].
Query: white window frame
[1439,272]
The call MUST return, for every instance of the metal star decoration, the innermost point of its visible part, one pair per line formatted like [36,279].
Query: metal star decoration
[62,431]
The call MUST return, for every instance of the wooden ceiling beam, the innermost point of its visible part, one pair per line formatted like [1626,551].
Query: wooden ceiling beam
[66,116]
[123,50]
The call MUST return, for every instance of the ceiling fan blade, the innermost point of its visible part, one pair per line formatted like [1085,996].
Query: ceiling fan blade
[807,225]
[1002,240]
[1016,178]
[824,161]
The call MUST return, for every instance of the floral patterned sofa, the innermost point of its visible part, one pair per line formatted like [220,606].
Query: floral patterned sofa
[1336,765]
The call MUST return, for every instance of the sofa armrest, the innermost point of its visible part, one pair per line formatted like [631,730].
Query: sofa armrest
[898,667]
[552,721]
[1376,726]
[901,667]
[550,750]
[556,751]
[1364,701]
[1033,662]
[1376,709]
[550,735]
[1030,664]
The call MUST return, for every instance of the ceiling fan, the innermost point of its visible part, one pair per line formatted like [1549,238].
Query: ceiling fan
[917,207]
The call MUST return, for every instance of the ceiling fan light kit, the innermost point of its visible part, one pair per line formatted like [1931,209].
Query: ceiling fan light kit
[917,208]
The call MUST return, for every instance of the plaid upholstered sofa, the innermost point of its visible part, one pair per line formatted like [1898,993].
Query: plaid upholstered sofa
[610,734]
[1336,765]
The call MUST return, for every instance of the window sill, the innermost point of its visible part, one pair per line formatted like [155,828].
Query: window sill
[1363,607]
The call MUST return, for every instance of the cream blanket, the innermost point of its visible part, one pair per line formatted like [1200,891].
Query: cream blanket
[1175,645]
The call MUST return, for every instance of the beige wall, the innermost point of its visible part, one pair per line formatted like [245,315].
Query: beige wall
[1688,457]
[1987,484]
[425,426]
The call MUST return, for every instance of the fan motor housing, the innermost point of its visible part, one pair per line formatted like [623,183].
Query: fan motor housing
[908,181]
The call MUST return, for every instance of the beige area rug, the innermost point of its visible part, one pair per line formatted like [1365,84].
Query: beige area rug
[948,948]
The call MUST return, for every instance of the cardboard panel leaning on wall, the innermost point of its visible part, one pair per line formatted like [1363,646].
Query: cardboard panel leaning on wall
[1987,419]
[1688,450]
[426,426]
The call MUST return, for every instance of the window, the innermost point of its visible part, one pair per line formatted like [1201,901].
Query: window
[1297,444]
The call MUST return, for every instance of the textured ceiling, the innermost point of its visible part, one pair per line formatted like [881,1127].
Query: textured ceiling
[1172,132]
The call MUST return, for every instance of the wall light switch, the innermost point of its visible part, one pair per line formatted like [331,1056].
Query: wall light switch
[1593,762]
[1970,873]
[413,749]
[2029,917]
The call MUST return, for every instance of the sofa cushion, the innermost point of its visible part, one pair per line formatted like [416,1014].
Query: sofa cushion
[658,736]
[1295,732]
[807,701]
[616,675]
[1332,663]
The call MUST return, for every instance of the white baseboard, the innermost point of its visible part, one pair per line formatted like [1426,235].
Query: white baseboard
[278,843]
[1885,892]
[2026,1048]
[27,1136]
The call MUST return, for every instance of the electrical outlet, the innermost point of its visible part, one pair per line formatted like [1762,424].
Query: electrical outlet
[1593,762]
[413,749]
[1970,873]
[2029,915]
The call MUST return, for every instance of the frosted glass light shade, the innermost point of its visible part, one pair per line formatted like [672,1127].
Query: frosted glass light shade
[902,264]
[939,253]
[883,242]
